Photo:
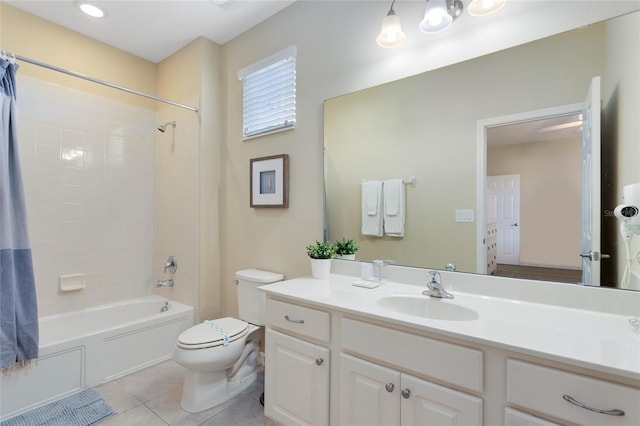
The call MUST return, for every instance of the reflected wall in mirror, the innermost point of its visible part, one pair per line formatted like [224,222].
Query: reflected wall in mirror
[427,126]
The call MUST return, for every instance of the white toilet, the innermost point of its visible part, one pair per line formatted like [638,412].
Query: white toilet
[220,355]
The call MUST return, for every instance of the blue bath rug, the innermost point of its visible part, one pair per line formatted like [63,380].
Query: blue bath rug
[81,409]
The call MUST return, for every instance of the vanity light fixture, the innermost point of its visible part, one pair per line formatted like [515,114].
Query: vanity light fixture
[391,34]
[438,16]
[485,7]
[89,8]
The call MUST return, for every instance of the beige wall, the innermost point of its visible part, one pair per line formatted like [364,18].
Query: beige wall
[337,55]
[35,38]
[550,198]
[188,176]
[425,126]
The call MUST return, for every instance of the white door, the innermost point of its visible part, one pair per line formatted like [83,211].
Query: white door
[369,393]
[425,403]
[591,186]
[296,380]
[503,208]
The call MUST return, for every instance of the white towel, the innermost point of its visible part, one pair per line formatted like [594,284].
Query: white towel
[372,214]
[394,207]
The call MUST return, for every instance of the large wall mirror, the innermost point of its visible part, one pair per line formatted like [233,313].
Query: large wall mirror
[426,127]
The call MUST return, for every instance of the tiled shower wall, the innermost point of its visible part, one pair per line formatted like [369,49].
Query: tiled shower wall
[89,173]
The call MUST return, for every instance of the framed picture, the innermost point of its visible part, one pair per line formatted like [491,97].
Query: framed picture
[269,181]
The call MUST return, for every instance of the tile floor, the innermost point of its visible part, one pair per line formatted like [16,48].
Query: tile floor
[151,397]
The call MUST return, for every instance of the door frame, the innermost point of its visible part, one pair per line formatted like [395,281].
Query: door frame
[481,177]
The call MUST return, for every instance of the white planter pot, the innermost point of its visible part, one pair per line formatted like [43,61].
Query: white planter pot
[347,256]
[320,268]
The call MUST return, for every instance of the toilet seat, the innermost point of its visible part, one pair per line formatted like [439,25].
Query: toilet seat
[210,334]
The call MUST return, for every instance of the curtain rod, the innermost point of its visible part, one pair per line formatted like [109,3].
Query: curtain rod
[104,83]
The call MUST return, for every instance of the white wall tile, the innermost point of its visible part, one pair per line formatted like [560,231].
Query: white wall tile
[89,172]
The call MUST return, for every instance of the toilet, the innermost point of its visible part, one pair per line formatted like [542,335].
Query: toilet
[220,355]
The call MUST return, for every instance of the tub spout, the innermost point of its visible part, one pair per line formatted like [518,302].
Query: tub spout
[165,283]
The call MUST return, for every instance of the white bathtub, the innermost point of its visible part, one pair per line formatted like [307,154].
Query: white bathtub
[84,348]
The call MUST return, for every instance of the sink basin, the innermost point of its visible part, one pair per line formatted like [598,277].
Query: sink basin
[426,307]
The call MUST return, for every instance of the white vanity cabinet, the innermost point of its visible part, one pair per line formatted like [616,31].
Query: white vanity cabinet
[334,358]
[297,371]
[371,395]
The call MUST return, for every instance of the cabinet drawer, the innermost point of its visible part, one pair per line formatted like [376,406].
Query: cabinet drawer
[518,418]
[541,389]
[299,319]
[450,363]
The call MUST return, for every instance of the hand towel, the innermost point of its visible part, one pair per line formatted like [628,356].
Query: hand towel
[372,214]
[393,190]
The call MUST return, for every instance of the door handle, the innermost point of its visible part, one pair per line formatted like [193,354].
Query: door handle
[594,255]
[515,224]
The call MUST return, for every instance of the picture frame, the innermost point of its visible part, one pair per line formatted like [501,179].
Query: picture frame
[269,181]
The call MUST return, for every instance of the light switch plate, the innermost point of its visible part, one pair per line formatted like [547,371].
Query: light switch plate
[464,215]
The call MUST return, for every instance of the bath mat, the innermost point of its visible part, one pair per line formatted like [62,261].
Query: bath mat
[82,409]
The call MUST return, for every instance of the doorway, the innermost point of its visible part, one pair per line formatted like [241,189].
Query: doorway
[531,148]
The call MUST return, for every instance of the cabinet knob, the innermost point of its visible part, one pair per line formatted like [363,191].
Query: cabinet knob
[405,393]
[389,387]
[319,361]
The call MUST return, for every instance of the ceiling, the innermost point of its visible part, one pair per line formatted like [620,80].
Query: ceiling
[543,130]
[159,28]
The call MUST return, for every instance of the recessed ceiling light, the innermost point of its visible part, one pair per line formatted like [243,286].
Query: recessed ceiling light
[90,9]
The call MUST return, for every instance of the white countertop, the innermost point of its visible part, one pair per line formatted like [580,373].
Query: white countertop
[596,340]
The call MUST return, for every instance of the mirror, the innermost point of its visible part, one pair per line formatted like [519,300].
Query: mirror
[426,127]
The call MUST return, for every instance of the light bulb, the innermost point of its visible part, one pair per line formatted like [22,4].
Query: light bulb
[90,9]
[436,17]
[391,34]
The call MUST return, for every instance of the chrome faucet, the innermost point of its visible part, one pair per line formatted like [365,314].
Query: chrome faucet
[165,283]
[435,287]
[171,265]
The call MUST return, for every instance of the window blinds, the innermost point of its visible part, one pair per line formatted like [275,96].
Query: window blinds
[269,94]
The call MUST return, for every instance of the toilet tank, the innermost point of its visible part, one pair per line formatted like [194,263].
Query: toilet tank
[251,301]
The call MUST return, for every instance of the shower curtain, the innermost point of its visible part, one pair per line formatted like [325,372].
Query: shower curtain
[18,305]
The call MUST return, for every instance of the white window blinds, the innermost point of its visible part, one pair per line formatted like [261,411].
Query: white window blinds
[269,94]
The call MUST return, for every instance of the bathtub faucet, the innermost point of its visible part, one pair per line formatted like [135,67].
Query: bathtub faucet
[165,283]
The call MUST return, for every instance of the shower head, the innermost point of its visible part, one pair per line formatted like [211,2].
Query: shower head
[163,127]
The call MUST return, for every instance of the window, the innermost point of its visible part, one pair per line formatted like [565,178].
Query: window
[269,94]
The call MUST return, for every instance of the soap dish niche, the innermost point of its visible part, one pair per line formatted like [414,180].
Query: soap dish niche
[72,282]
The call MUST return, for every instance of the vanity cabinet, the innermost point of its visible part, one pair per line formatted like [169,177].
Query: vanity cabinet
[371,394]
[297,370]
[328,363]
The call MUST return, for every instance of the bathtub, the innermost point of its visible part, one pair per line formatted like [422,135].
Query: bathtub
[84,348]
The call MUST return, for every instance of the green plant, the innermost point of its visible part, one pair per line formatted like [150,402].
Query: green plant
[346,247]
[320,250]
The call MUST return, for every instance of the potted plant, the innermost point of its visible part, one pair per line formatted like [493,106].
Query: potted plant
[321,255]
[346,249]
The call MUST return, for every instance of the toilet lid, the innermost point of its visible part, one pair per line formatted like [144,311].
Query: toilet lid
[212,333]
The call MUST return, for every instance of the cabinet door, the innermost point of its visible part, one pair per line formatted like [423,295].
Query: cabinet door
[296,380]
[369,393]
[425,403]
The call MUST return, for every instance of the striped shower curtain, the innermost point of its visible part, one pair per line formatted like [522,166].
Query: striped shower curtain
[18,305]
